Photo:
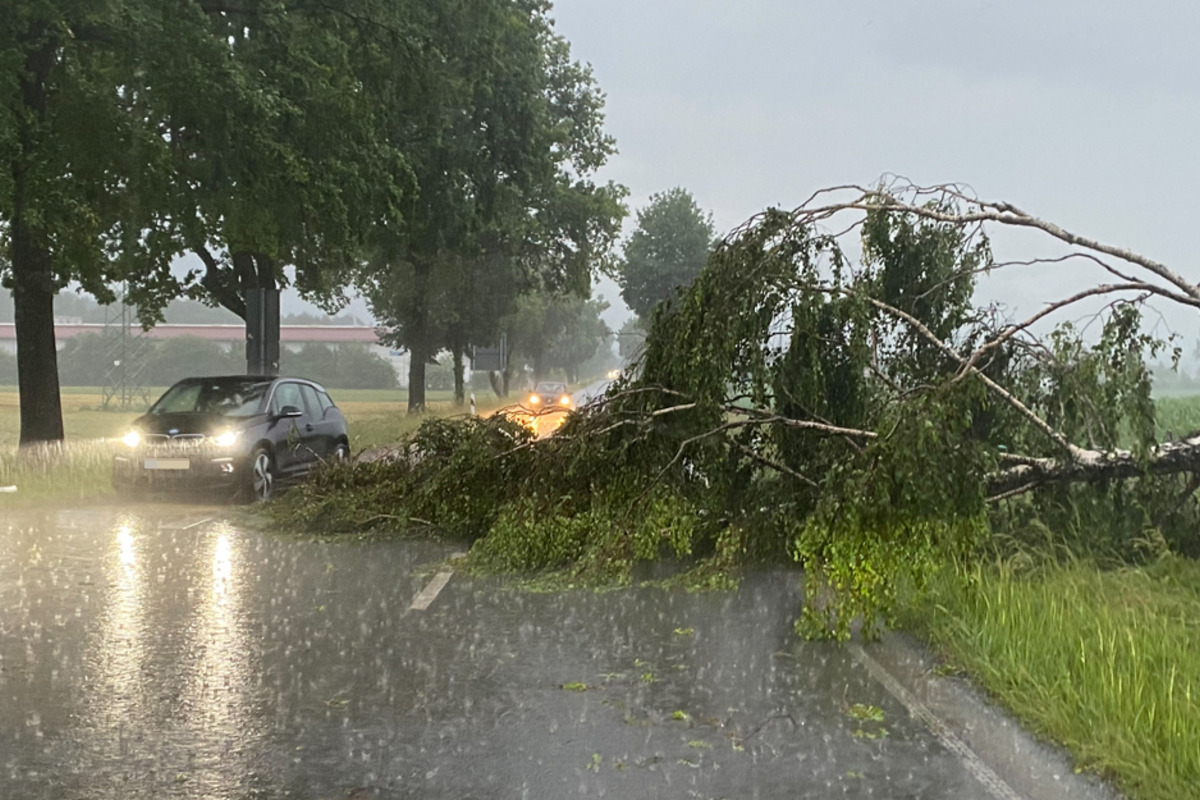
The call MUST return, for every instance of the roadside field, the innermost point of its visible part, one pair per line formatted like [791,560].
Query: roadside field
[1105,662]
[81,417]
[1178,416]
[81,467]
[380,413]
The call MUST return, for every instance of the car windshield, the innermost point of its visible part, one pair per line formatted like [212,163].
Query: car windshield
[226,398]
[550,389]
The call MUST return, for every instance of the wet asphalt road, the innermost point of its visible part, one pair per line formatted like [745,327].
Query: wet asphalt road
[165,652]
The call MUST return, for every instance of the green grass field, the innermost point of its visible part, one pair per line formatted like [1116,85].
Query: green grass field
[1106,662]
[1178,416]
[81,466]
[84,418]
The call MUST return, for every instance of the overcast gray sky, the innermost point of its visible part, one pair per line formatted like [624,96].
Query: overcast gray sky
[1082,112]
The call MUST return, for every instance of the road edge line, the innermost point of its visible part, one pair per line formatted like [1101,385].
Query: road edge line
[995,785]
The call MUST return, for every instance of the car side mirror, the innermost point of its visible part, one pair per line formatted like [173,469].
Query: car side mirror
[289,411]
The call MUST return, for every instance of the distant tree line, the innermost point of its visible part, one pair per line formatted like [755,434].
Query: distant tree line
[87,360]
[180,311]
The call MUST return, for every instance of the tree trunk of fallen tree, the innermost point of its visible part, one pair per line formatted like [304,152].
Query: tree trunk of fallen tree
[1026,473]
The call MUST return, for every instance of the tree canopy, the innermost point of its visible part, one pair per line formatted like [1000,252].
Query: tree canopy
[277,154]
[666,252]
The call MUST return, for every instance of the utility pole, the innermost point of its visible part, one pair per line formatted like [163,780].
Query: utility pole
[125,351]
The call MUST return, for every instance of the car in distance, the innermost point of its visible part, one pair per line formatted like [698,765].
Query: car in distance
[545,408]
[241,433]
[550,396]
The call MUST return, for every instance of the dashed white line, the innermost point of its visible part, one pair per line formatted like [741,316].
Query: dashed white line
[196,524]
[426,596]
[995,785]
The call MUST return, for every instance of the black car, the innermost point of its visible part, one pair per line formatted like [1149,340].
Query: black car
[239,433]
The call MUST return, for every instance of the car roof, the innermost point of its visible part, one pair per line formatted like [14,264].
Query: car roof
[273,379]
[263,378]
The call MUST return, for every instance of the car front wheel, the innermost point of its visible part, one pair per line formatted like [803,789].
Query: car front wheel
[260,483]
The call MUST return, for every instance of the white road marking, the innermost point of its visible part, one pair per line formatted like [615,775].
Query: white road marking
[995,785]
[196,524]
[426,596]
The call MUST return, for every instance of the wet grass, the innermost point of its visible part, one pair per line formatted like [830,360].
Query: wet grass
[70,470]
[80,467]
[373,424]
[1177,416]
[82,418]
[1106,662]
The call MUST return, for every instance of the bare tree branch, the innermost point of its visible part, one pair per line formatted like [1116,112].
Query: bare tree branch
[999,390]
[1012,330]
[214,282]
[868,200]
[775,465]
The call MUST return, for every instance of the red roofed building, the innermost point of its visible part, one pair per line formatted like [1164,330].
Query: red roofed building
[291,337]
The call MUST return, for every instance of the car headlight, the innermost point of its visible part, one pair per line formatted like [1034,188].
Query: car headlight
[565,400]
[132,439]
[534,399]
[226,438]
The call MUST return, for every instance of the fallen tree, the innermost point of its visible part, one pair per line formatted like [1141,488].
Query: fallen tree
[828,391]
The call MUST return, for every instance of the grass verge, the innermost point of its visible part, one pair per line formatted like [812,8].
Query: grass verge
[1106,662]
[71,470]
[81,467]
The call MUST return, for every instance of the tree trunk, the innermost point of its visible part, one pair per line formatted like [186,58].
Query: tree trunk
[1094,465]
[37,354]
[459,380]
[418,338]
[260,295]
[499,382]
[416,379]
[33,281]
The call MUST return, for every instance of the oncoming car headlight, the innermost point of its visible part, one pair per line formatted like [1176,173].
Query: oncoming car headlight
[534,400]
[226,438]
[132,439]
[565,400]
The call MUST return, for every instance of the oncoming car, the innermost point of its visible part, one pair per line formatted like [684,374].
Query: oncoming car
[545,408]
[550,396]
[243,434]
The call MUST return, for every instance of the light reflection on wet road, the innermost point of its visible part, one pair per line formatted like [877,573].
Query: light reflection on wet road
[163,651]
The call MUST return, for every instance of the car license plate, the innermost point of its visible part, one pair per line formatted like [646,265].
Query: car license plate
[167,463]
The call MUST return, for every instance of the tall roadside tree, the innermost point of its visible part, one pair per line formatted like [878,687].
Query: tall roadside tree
[666,252]
[511,135]
[71,146]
